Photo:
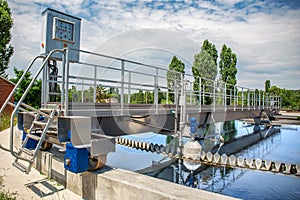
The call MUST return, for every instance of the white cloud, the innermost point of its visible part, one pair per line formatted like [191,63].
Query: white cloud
[265,36]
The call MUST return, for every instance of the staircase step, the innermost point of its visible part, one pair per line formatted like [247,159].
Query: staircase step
[52,132]
[39,123]
[46,110]
[20,166]
[34,137]
[27,151]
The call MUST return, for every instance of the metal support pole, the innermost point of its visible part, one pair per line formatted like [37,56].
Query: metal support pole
[259,99]
[203,95]
[122,86]
[182,112]
[254,100]
[67,84]
[248,99]
[242,99]
[263,100]
[156,91]
[225,99]
[214,96]
[200,84]
[95,84]
[129,87]
[234,98]
[62,95]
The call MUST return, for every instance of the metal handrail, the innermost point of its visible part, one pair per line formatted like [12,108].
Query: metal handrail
[19,82]
[221,93]
[22,98]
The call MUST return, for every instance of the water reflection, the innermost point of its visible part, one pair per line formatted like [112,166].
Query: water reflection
[244,183]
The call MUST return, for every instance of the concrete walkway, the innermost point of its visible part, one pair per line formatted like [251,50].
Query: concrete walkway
[32,186]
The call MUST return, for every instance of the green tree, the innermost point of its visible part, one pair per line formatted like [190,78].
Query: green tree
[176,68]
[227,65]
[33,97]
[6,50]
[205,66]
[137,98]
[267,85]
[228,69]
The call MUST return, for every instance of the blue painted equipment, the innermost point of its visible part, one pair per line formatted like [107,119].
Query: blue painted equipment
[193,125]
[31,143]
[76,159]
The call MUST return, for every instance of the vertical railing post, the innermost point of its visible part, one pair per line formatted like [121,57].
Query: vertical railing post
[191,94]
[63,78]
[129,87]
[67,84]
[242,99]
[95,84]
[156,91]
[253,100]
[45,91]
[263,100]
[248,99]
[203,94]
[225,99]
[234,98]
[122,86]
[214,97]
[200,90]
[259,99]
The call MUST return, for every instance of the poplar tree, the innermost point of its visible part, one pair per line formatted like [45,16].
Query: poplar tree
[205,66]
[176,68]
[228,69]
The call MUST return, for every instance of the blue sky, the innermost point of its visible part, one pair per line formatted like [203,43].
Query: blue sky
[265,35]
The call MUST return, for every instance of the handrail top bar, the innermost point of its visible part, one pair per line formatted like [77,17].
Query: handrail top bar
[151,66]
[122,59]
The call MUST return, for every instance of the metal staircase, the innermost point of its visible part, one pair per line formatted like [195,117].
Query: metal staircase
[37,132]
[41,124]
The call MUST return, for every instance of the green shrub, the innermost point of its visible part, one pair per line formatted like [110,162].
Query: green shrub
[4,121]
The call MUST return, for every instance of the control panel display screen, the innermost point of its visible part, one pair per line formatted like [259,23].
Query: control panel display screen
[63,30]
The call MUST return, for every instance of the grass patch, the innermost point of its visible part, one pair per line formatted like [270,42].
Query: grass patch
[5,121]
[5,195]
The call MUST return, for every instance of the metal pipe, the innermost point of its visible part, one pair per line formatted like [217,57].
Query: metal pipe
[67,83]
[156,91]
[95,85]
[63,81]
[122,86]
[214,97]
[225,99]
[234,98]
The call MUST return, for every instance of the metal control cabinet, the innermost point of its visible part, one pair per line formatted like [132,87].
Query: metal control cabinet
[60,30]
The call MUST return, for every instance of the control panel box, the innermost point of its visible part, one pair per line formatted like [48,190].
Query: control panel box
[60,30]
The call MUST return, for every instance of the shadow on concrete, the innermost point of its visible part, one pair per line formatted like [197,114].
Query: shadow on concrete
[44,187]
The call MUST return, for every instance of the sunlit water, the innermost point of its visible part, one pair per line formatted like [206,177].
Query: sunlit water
[241,183]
